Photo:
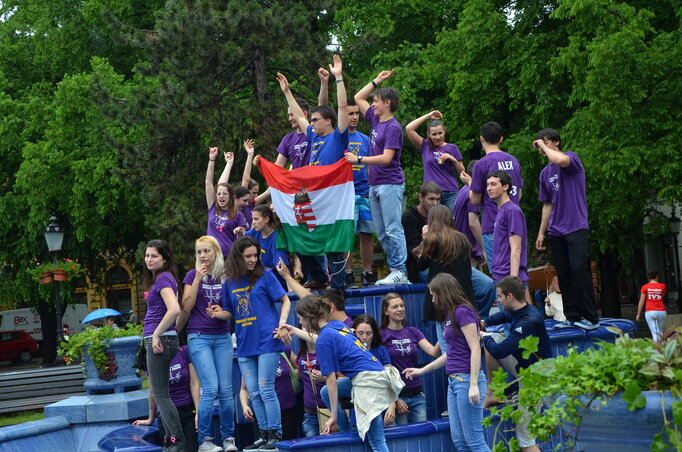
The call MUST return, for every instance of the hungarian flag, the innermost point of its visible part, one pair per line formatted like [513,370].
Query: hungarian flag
[316,206]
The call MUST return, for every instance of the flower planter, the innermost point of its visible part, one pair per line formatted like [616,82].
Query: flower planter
[59,275]
[120,375]
[608,425]
[45,277]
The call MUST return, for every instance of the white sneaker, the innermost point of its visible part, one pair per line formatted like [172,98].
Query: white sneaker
[395,277]
[209,446]
[229,445]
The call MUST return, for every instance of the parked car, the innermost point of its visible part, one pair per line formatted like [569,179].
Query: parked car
[17,346]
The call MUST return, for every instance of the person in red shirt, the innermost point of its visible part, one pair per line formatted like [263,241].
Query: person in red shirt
[653,294]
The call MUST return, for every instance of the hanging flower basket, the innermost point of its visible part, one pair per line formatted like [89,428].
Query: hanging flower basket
[61,270]
[45,277]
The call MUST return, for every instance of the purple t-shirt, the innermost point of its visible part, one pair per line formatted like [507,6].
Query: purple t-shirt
[156,308]
[460,215]
[220,227]
[510,221]
[306,363]
[443,174]
[209,292]
[283,388]
[565,189]
[348,322]
[403,348]
[458,352]
[294,146]
[492,162]
[385,135]
[178,378]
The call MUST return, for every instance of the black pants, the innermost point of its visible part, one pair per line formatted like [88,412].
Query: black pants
[569,257]
[186,414]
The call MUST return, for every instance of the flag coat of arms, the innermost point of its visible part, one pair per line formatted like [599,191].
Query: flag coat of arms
[316,205]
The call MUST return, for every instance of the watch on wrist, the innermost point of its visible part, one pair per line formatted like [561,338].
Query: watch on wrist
[359,159]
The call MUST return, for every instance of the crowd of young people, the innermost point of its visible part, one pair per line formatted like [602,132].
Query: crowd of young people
[444,241]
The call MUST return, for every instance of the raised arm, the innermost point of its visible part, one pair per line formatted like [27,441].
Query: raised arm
[246,176]
[210,173]
[229,161]
[293,285]
[293,105]
[323,97]
[412,127]
[557,158]
[362,96]
[341,100]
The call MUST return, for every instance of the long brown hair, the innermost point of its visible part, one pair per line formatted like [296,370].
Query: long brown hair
[235,267]
[161,246]
[384,306]
[442,243]
[231,208]
[312,309]
[448,295]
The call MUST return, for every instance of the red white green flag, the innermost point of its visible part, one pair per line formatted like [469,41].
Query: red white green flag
[316,206]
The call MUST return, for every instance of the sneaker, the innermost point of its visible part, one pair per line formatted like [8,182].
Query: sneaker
[209,446]
[444,414]
[260,442]
[564,324]
[273,437]
[350,280]
[586,324]
[395,277]
[368,278]
[229,445]
[315,285]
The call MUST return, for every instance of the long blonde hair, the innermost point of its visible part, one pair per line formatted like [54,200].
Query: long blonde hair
[218,271]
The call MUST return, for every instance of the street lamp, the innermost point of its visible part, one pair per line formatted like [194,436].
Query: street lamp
[54,236]
[675,229]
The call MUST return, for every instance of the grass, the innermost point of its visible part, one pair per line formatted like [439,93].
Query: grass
[19,418]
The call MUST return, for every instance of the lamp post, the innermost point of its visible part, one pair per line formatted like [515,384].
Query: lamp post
[675,229]
[54,236]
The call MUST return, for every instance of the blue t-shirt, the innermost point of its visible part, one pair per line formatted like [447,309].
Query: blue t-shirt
[269,254]
[358,144]
[328,149]
[339,350]
[255,315]
[381,353]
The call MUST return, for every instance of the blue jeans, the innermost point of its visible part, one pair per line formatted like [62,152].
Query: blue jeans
[466,429]
[417,406]
[441,339]
[315,268]
[375,435]
[343,387]
[448,199]
[212,359]
[386,202]
[311,425]
[259,375]
[488,247]
[484,291]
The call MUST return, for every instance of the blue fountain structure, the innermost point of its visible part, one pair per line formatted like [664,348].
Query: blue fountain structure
[102,421]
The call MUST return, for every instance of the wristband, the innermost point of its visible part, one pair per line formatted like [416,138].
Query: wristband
[339,80]
[211,160]
[374,83]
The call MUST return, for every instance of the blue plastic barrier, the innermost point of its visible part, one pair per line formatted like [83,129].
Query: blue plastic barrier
[133,438]
[561,339]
